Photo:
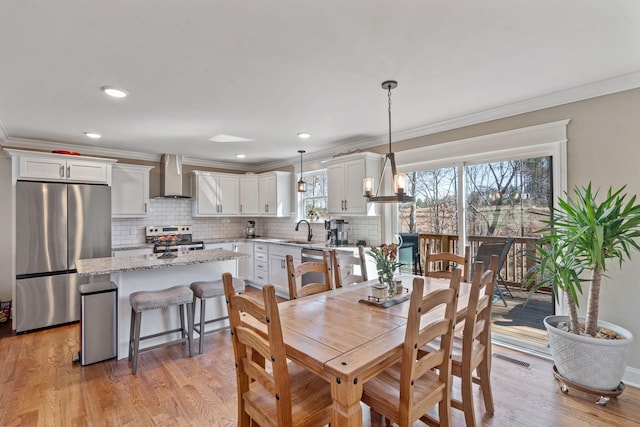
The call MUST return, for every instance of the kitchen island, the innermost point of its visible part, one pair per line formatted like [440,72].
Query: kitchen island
[150,272]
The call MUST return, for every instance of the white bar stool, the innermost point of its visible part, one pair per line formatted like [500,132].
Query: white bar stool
[205,290]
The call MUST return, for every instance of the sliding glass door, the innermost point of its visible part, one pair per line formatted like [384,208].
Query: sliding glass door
[503,199]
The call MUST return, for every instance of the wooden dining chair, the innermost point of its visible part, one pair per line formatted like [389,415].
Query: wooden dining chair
[441,264]
[295,272]
[472,351]
[342,267]
[405,391]
[271,391]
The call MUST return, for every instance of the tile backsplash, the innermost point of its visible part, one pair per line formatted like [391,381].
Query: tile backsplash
[130,231]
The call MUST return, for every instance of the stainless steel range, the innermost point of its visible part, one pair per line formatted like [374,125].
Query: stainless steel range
[168,239]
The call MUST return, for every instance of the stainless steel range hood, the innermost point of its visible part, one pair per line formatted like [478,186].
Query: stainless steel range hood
[171,177]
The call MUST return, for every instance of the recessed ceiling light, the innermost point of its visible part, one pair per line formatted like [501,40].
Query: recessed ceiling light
[241,156]
[114,91]
[228,138]
[93,135]
[304,135]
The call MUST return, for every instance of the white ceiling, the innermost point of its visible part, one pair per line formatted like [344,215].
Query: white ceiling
[266,70]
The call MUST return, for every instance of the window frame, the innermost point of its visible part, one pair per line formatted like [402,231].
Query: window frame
[300,197]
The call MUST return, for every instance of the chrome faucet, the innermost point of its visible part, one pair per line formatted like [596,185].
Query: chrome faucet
[309,233]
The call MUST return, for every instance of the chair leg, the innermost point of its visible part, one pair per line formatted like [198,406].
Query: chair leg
[131,333]
[484,374]
[183,326]
[444,412]
[203,304]
[497,292]
[466,387]
[136,341]
[190,326]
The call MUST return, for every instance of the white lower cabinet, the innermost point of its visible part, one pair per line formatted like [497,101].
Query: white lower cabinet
[278,266]
[260,263]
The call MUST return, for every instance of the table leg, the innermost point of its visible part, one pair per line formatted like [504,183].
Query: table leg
[346,395]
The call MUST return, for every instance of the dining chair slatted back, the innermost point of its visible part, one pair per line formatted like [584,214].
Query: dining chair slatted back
[342,267]
[271,392]
[295,272]
[484,253]
[440,265]
[473,351]
[405,391]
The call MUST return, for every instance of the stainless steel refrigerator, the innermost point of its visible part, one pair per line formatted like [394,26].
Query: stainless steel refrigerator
[56,224]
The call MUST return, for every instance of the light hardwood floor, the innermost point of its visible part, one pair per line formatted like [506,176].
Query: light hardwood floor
[40,386]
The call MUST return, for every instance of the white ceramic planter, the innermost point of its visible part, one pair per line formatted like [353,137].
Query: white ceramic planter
[594,363]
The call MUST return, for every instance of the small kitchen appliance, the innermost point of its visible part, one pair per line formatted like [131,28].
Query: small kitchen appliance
[337,232]
[342,232]
[250,230]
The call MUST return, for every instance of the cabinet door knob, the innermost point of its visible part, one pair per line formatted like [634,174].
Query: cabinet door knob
[68,171]
[61,171]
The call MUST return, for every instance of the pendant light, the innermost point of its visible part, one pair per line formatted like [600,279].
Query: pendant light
[302,186]
[399,180]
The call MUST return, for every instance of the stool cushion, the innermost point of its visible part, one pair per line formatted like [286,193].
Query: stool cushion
[213,289]
[149,300]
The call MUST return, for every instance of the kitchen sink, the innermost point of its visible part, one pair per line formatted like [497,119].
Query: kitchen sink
[297,242]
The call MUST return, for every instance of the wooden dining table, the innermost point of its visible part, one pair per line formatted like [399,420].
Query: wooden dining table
[347,342]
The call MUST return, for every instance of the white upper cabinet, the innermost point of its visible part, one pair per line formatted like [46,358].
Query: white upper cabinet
[249,195]
[344,178]
[36,165]
[274,194]
[130,191]
[215,194]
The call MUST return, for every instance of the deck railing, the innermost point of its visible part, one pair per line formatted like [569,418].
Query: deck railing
[519,259]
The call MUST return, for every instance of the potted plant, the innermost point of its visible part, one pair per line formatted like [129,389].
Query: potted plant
[386,257]
[582,236]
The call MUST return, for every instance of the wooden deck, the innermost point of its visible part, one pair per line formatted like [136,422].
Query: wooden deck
[522,319]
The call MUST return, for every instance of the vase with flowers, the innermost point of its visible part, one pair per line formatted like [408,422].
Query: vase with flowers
[386,257]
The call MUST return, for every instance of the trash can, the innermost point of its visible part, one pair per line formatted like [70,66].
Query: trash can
[98,322]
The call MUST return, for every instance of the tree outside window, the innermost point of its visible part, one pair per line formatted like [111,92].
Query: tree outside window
[314,200]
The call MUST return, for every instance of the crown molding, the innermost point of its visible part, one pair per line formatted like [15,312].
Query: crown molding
[578,93]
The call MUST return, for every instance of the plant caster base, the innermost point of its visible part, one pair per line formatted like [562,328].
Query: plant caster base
[603,395]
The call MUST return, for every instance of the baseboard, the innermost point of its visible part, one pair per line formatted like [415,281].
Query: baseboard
[632,377]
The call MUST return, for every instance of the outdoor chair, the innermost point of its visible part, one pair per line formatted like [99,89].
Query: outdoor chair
[501,249]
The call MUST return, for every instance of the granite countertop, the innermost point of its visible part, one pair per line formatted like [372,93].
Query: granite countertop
[283,241]
[96,266]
